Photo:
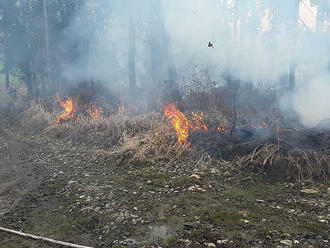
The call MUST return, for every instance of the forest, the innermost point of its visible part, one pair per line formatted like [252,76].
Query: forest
[164,123]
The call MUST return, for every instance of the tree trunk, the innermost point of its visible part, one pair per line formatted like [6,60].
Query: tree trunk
[47,41]
[36,92]
[160,55]
[131,57]
[29,83]
[292,76]
[172,73]
[7,77]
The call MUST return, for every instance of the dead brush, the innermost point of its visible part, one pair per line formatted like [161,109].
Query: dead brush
[5,98]
[159,143]
[295,163]
[104,132]
[156,145]
[12,105]
[310,164]
[38,115]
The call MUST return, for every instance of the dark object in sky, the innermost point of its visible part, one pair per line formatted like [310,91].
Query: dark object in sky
[210,44]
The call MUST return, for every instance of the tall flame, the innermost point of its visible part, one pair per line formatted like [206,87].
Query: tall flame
[179,122]
[70,108]
[182,124]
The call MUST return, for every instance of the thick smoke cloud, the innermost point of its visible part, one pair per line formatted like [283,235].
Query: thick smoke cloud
[258,46]
[251,41]
[312,101]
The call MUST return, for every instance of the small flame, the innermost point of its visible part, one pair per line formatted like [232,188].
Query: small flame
[221,128]
[264,125]
[70,108]
[179,122]
[95,112]
[197,123]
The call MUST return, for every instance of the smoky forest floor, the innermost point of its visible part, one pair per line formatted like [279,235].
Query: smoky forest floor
[82,194]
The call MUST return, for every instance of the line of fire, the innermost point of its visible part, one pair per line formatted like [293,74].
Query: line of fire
[165,123]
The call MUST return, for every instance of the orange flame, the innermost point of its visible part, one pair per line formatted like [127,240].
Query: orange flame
[264,125]
[197,123]
[179,122]
[221,128]
[95,112]
[70,108]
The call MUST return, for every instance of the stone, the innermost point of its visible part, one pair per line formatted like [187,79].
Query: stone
[210,244]
[223,241]
[286,242]
[195,176]
[309,191]
[227,174]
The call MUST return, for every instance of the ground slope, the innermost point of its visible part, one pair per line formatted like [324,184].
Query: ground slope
[77,193]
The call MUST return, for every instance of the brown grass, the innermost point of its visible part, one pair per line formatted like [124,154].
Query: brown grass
[143,136]
[296,163]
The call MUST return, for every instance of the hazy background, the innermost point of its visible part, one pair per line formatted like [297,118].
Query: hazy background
[157,41]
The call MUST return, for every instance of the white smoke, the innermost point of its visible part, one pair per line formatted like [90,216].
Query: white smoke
[258,46]
[312,101]
[250,39]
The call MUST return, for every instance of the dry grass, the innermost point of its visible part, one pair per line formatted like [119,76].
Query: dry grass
[296,163]
[37,115]
[143,136]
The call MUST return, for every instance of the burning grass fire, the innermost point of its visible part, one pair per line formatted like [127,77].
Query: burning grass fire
[179,122]
[183,125]
[72,107]
[95,112]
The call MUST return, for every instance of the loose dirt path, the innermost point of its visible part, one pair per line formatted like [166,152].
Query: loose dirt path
[19,173]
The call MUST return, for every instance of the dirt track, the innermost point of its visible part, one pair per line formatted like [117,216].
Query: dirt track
[19,173]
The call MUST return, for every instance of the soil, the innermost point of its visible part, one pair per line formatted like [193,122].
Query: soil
[82,194]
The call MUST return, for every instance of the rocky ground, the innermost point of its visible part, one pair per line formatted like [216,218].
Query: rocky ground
[86,195]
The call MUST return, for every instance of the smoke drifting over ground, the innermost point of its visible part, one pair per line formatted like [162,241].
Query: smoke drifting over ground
[251,41]
[312,101]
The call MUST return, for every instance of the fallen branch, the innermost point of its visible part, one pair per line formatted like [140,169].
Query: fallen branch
[52,241]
